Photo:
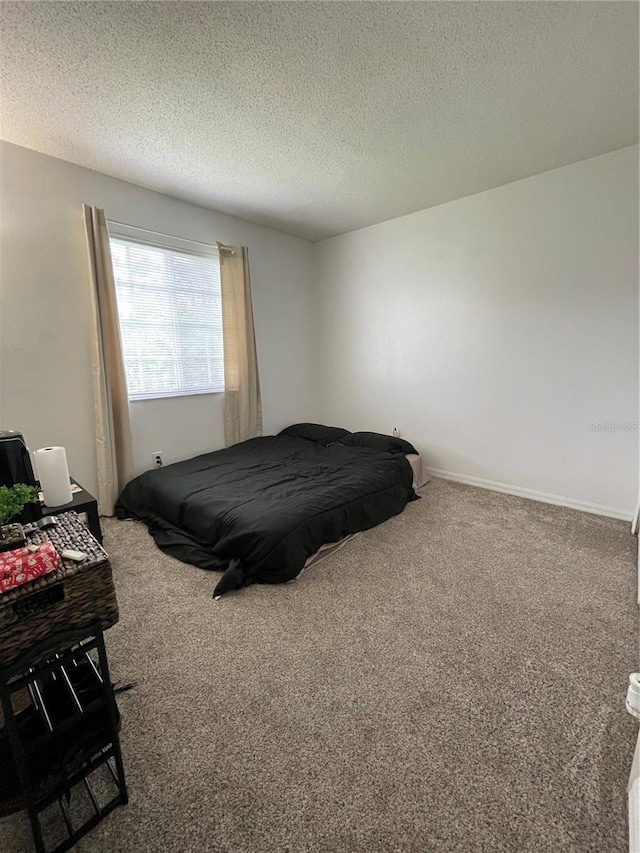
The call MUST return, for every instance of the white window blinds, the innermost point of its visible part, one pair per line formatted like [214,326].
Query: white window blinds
[170,317]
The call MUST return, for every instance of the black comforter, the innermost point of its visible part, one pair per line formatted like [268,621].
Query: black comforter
[259,509]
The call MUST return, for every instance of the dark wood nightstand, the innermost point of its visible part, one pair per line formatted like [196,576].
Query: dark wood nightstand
[83,502]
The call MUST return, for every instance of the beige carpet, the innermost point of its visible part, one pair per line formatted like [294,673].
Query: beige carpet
[451,681]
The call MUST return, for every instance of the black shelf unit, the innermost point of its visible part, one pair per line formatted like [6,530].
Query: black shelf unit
[60,732]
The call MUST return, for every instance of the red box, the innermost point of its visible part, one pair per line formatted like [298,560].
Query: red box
[22,565]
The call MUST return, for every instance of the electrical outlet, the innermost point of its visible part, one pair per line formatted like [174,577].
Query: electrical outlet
[396,432]
[157,458]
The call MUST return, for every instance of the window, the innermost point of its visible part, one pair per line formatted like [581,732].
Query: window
[170,315]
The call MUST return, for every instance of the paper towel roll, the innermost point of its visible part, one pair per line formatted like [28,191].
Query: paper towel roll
[53,474]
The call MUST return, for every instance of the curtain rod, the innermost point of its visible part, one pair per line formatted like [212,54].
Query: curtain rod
[160,233]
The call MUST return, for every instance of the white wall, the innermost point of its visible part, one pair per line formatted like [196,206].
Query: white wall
[494,330]
[45,372]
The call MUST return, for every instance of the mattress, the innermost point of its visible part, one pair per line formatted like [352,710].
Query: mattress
[258,510]
[420,475]
[420,479]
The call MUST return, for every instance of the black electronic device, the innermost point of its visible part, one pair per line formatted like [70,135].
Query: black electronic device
[15,467]
[15,462]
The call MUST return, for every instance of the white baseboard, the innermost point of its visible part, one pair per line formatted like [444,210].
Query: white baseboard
[532,494]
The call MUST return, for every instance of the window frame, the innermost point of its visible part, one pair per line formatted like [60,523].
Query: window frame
[154,239]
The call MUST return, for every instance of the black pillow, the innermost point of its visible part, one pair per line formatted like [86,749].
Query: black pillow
[377,441]
[316,432]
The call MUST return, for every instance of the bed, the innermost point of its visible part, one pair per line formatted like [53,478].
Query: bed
[260,510]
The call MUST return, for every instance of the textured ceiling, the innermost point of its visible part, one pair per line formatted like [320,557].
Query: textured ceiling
[319,118]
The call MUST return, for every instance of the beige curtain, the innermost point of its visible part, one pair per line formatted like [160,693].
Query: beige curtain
[242,406]
[112,421]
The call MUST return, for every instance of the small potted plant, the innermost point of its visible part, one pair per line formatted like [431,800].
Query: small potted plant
[13,499]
